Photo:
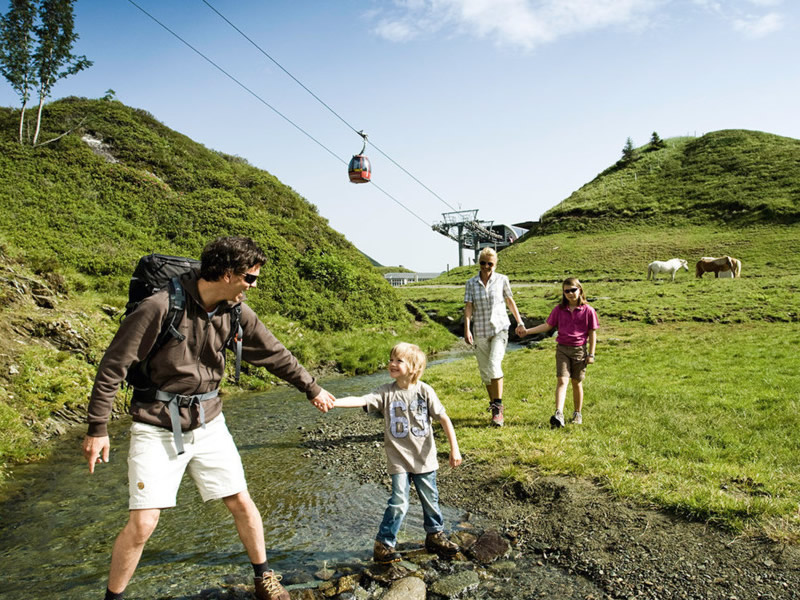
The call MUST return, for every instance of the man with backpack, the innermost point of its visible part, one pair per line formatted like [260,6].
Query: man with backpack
[177,412]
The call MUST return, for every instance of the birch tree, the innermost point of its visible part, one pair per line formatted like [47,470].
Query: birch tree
[53,58]
[16,51]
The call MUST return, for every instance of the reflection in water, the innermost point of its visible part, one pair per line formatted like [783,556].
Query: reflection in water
[58,523]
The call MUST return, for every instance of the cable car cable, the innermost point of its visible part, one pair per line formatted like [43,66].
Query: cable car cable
[279,65]
[424,222]
[243,86]
[275,110]
[316,97]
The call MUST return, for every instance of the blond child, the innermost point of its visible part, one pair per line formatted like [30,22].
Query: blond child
[409,406]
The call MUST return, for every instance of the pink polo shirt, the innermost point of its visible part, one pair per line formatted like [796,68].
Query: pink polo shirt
[573,326]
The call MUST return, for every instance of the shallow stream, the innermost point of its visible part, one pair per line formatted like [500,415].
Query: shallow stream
[58,522]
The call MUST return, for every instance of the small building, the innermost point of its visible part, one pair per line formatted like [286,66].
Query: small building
[398,279]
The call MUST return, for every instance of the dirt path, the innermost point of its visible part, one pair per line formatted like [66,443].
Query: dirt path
[627,551]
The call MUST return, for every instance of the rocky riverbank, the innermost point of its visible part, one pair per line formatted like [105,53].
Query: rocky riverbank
[566,538]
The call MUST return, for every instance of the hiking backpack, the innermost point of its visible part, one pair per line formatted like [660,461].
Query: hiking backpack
[155,272]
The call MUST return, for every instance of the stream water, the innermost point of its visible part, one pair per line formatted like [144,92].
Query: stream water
[57,522]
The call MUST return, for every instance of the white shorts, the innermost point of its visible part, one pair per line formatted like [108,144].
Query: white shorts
[490,353]
[155,469]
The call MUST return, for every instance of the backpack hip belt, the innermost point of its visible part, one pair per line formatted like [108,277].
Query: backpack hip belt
[177,401]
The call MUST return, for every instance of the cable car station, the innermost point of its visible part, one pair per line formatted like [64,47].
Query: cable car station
[464,227]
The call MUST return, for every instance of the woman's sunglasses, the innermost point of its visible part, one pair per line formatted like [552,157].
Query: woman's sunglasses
[486,262]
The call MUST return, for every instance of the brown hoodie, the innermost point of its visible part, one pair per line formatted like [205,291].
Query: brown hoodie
[193,366]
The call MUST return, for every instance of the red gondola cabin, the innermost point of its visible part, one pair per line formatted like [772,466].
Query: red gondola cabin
[359,169]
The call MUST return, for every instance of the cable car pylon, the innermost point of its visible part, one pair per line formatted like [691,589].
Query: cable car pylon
[359,168]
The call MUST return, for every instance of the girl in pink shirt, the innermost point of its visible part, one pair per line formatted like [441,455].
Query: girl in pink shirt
[577,325]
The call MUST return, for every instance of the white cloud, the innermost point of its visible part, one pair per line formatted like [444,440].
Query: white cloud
[526,23]
[758,26]
[531,23]
[395,31]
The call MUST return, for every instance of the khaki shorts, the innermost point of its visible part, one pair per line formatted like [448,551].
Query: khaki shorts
[571,362]
[490,353]
[155,469]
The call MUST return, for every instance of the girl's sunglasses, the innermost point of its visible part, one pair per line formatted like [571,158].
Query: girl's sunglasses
[570,290]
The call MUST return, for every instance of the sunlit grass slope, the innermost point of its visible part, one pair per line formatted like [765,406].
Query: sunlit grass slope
[692,404]
[67,209]
[76,214]
[731,176]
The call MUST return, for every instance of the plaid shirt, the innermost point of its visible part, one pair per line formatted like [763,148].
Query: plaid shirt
[489,314]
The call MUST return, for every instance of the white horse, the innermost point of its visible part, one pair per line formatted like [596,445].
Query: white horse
[666,266]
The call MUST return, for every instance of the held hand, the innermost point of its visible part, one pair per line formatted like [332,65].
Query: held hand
[95,450]
[323,401]
[521,331]
[455,459]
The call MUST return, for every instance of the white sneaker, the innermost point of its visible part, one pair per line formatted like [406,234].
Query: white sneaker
[557,420]
[577,419]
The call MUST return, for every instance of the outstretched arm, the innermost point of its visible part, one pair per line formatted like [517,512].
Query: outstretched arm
[543,328]
[455,453]
[350,402]
[512,306]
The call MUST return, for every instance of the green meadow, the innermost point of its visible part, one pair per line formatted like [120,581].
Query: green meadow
[692,404]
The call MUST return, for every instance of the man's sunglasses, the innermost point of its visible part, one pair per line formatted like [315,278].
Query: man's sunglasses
[570,290]
[249,278]
[486,262]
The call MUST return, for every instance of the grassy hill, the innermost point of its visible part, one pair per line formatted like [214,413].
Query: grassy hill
[735,177]
[156,190]
[76,214]
[691,405]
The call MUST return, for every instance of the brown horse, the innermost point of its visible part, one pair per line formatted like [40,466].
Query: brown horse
[708,264]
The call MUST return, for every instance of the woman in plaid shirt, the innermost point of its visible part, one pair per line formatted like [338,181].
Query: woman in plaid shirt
[485,300]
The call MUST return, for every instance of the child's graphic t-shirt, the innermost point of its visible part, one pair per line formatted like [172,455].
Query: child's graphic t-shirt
[408,431]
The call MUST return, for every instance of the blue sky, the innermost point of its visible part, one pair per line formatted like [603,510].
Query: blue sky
[505,106]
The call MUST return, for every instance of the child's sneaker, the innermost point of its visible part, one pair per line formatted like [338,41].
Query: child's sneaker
[557,420]
[269,588]
[497,414]
[437,543]
[383,554]
[577,419]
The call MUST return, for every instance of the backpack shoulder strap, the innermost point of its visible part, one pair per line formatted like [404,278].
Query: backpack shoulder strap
[169,326]
[175,312]
[235,339]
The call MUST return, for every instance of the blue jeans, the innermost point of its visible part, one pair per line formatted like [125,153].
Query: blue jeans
[398,505]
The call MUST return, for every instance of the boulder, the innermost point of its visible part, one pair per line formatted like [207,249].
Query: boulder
[454,586]
[489,547]
[408,588]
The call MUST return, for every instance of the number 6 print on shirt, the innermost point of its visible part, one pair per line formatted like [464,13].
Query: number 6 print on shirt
[399,426]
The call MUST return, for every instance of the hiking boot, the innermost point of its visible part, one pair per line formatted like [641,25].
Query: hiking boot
[497,414]
[383,554]
[557,420]
[577,419]
[437,543]
[269,588]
